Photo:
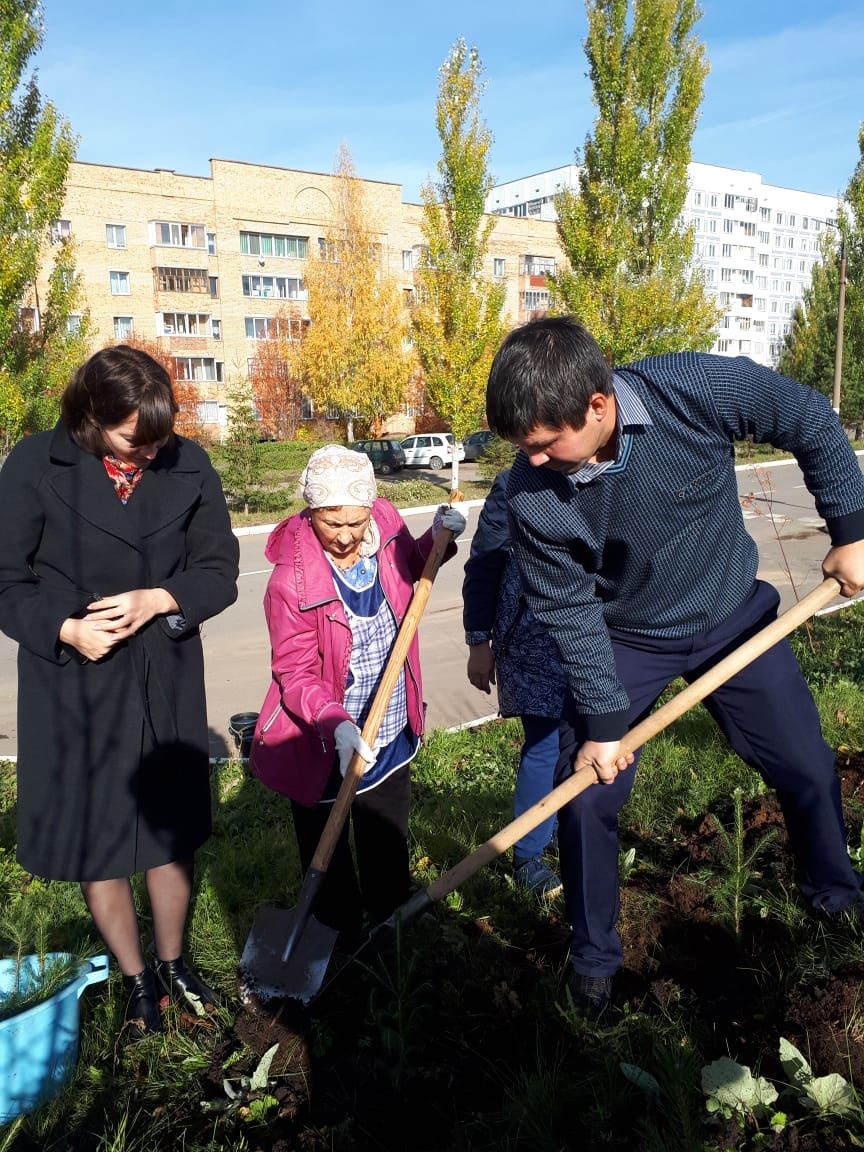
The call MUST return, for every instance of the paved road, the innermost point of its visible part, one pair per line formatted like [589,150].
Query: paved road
[779,513]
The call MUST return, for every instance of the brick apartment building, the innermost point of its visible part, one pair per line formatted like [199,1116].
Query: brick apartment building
[203,263]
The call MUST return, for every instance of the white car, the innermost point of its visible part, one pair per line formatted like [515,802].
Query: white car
[431,450]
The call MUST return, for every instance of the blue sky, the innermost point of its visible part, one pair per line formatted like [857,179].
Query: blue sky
[171,85]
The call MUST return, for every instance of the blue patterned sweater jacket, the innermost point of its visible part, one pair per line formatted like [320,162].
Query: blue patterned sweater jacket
[530,679]
[660,548]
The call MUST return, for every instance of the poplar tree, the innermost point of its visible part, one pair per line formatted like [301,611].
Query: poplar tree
[628,278]
[40,346]
[809,348]
[457,319]
[353,357]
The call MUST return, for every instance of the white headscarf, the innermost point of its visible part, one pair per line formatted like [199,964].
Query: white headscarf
[338,477]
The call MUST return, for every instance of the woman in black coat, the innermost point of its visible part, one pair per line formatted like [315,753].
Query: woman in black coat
[117,545]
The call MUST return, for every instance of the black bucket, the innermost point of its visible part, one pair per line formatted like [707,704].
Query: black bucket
[242,728]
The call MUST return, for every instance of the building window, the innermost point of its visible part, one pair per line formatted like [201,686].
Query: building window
[73,323]
[216,327]
[307,408]
[208,412]
[711,225]
[743,345]
[115,235]
[123,327]
[273,327]
[198,368]
[170,234]
[764,237]
[778,219]
[211,243]
[763,259]
[723,345]
[697,198]
[183,324]
[710,250]
[765,213]
[213,285]
[726,250]
[60,230]
[729,200]
[180,279]
[532,301]
[726,275]
[274,244]
[748,226]
[408,297]
[760,304]
[407,259]
[792,220]
[712,200]
[728,225]
[537,266]
[275,287]
[761,281]
[498,266]
[724,298]
[697,223]
[119,282]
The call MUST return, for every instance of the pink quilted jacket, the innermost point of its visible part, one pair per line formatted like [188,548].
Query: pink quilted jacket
[310,639]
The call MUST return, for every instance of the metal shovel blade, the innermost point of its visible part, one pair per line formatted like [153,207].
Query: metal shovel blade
[265,975]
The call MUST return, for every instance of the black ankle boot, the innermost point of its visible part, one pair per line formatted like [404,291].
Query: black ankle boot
[184,986]
[142,1017]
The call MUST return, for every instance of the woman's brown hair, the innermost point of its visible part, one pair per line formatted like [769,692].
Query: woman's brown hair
[108,388]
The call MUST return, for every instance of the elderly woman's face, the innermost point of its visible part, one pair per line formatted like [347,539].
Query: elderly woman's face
[119,439]
[340,530]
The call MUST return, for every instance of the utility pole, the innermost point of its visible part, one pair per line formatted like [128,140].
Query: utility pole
[841,308]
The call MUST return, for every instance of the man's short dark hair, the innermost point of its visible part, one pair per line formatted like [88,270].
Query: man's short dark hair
[545,372]
[108,388]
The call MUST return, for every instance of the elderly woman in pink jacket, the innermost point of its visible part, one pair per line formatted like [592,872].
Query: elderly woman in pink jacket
[344,575]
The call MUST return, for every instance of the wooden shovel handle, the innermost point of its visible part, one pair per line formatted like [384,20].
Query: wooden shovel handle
[721,672]
[398,655]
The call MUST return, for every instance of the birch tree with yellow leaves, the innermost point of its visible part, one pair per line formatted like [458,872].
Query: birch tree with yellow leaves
[354,358]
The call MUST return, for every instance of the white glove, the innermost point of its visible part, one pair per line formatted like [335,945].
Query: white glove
[449,516]
[349,740]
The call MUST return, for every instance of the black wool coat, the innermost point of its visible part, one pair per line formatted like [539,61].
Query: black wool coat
[112,754]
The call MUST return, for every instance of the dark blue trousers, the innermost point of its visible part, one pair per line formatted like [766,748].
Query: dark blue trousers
[768,716]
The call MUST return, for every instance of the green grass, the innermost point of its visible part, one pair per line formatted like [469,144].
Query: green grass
[462,1037]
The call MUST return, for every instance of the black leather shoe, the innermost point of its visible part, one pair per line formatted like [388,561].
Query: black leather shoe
[185,987]
[142,1017]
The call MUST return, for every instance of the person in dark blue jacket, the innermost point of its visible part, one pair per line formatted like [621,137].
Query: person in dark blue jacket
[509,647]
[629,535]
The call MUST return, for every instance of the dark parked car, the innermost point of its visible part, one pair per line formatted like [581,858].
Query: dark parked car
[386,455]
[477,442]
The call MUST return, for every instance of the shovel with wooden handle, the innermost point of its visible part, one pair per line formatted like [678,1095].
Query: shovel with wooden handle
[721,672]
[288,949]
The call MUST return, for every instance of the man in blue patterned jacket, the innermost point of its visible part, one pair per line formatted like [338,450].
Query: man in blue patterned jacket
[629,534]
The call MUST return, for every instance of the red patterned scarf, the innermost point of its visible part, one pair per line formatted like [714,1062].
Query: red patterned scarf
[125,477]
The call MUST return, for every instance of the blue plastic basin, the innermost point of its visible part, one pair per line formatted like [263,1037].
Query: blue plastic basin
[39,1046]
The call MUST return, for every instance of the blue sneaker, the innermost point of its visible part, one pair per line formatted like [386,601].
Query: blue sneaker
[536,877]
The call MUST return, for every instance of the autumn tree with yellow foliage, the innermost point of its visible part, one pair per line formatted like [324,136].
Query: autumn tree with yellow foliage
[629,279]
[354,357]
[457,320]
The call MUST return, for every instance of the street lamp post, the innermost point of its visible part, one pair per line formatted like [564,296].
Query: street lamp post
[838,346]
[841,310]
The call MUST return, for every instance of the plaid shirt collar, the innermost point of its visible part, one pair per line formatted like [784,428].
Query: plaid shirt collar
[630,413]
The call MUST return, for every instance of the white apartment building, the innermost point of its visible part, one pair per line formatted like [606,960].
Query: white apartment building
[756,244]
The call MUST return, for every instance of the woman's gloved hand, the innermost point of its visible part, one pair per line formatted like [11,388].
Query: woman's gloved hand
[449,516]
[348,740]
